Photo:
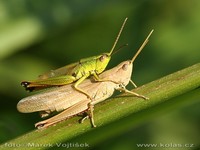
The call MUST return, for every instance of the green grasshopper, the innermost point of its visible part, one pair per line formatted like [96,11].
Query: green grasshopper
[74,73]
[72,102]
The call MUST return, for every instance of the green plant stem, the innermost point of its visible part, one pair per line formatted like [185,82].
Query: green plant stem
[115,109]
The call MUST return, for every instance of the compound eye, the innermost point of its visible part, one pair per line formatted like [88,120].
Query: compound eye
[103,57]
[74,74]
[125,67]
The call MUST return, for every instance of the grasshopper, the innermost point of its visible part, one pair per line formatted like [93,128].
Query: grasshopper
[74,73]
[72,102]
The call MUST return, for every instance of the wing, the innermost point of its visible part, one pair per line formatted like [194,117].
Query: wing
[66,70]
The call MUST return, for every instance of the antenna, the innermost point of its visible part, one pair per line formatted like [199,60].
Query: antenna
[118,36]
[142,46]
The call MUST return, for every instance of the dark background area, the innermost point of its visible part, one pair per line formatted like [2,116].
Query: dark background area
[37,36]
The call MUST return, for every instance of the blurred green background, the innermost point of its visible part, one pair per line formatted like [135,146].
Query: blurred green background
[37,36]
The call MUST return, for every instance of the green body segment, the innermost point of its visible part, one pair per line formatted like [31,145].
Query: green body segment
[61,80]
[94,65]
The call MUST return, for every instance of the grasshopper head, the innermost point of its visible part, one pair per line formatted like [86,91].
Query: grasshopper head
[120,74]
[124,72]
[104,59]
[102,62]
